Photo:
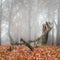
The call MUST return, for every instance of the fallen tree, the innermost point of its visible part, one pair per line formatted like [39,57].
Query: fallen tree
[42,40]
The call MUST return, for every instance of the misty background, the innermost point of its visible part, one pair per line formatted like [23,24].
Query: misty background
[24,19]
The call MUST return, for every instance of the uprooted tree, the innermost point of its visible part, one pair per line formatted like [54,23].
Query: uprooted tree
[42,40]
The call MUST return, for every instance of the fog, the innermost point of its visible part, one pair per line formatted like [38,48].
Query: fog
[24,19]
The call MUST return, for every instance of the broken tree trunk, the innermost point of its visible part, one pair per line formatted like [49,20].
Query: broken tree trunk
[27,44]
[42,40]
[45,34]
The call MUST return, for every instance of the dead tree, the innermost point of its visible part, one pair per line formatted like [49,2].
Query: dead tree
[42,39]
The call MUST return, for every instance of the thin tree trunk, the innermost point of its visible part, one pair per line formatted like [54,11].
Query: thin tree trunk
[58,28]
[10,17]
[0,18]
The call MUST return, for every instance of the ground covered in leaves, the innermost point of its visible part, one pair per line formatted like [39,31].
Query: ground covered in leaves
[24,53]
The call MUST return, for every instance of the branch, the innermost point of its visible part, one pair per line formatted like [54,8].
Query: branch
[27,44]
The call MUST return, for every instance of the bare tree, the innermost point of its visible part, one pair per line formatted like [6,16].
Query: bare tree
[42,39]
[58,28]
[10,20]
[0,18]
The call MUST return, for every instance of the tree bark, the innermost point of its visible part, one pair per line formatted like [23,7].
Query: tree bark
[10,19]
[58,28]
[0,18]
[27,44]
